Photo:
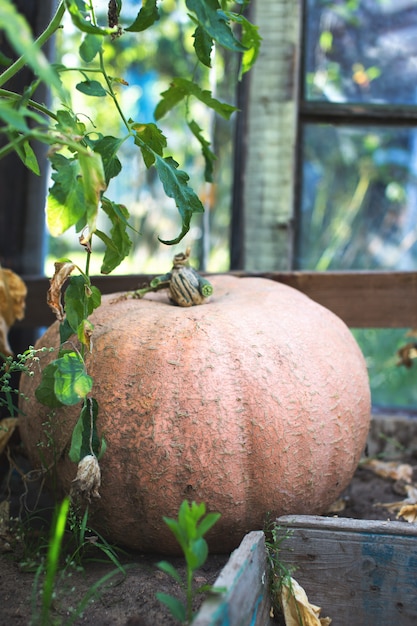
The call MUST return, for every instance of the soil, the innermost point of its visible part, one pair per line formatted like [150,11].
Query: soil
[125,599]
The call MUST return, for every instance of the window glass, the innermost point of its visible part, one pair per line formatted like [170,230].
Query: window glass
[359,198]
[361,51]
[358,195]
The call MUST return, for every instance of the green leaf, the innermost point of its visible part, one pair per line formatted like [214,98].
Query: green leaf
[30,159]
[251,39]
[45,392]
[80,17]
[18,33]
[65,202]
[13,117]
[175,185]
[176,607]
[26,154]
[169,569]
[214,21]
[207,522]
[91,88]
[150,139]
[203,45]
[94,183]
[72,382]
[85,439]
[65,331]
[147,16]
[80,301]
[197,553]
[209,156]
[69,124]
[90,47]
[181,88]
[118,245]
[108,147]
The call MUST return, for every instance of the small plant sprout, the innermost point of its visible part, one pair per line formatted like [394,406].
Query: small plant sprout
[189,530]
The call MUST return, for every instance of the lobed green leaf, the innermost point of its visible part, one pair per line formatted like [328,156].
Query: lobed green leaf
[108,147]
[72,383]
[65,202]
[175,186]
[118,245]
[150,139]
[215,22]
[181,88]
[203,45]
[45,392]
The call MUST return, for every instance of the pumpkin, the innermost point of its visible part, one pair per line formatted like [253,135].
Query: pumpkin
[256,402]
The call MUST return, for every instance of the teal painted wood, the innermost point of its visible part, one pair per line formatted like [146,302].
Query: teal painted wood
[361,572]
[246,601]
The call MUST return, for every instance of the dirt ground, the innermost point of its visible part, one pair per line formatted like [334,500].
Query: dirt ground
[129,599]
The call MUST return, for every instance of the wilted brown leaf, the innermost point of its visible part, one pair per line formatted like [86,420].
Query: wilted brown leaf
[12,305]
[297,609]
[390,469]
[62,271]
[7,428]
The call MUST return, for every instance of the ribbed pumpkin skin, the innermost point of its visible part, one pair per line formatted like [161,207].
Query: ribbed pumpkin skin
[256,403]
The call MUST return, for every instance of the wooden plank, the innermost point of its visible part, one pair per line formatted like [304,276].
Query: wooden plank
[246,601]
[360,572]
[361,299]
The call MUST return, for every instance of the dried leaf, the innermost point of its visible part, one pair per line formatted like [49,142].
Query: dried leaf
[403,506]
[7,428]
[62,271]
[12,305]
[297,609]
[409,513]
[390,469]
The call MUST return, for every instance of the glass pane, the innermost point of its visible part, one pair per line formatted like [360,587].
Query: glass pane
[359,211]
[361,51]
[358,198]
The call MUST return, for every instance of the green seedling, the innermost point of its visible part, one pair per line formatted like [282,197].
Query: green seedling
[189,530]
[58,562]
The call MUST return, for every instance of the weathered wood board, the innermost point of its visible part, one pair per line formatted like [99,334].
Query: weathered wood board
[246,601]
[361,572]
[360,299]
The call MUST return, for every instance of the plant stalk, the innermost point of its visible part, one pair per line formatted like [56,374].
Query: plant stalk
[52,27]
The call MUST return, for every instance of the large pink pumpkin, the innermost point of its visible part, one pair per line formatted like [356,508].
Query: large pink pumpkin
[256,402]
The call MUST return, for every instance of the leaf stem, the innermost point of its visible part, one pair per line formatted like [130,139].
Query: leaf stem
[11,95]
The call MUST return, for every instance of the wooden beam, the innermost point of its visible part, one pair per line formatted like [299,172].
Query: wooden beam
[361,299]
